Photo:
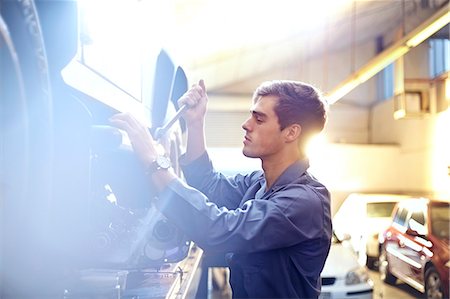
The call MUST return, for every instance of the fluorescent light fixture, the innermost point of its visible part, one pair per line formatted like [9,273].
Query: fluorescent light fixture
[366,72]
[400,48]
[341,91]
[380,62]
[429,30]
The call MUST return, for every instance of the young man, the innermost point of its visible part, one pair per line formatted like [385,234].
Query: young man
[275,224]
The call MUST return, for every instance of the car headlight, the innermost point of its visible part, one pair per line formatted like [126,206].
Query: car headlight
[358,275]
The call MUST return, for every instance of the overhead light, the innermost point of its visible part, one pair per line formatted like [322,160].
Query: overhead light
[341,91]
[429,30]
[366,72]
[380,62]
[400,48]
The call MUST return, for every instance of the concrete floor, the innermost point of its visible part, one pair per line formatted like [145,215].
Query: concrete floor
[381,290]
[398,291]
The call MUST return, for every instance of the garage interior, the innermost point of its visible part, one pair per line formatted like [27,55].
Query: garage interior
[376,62]
[383,66]
[372,141]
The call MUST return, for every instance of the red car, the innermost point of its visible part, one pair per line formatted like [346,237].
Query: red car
[415,248]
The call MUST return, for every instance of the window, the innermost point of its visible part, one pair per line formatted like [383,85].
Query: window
[417,222]
[440,221]
[400,217]
[380,209]
[386,83]
[418,217]
[439,56]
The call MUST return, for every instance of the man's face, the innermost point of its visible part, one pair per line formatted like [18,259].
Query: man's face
[263,136]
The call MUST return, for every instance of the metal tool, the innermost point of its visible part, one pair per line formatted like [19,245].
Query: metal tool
[160,132]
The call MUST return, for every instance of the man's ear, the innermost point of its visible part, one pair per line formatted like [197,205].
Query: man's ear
[293,132]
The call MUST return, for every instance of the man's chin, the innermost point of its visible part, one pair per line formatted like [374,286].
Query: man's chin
[248,154]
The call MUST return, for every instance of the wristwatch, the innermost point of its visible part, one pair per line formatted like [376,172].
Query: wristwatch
[160,163]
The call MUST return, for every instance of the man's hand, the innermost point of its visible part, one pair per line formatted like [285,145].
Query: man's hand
[196,99]
[140,138]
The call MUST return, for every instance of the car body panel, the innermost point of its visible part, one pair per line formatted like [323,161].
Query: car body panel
[412,247]
[372,213]
[340,262]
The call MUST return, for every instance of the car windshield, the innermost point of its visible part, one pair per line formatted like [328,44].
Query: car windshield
[380,209]
[440,221]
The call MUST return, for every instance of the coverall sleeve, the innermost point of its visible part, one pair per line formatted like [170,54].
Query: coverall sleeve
[293,215]
[224,191]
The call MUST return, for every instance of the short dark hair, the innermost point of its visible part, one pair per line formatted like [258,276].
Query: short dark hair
[298,103]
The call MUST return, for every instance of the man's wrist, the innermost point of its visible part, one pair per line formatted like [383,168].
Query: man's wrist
[160,179]
[195,125]
[159,163]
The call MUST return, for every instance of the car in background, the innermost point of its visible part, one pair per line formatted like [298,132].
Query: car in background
[342,276]
[360,219]
[415,247]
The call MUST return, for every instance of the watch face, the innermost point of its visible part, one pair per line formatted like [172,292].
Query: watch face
[163,162]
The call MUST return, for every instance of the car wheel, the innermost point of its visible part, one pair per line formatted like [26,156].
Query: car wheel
[383,266]
[433,284]
[372,262]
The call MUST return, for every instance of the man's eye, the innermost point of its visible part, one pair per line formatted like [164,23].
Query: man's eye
[259,120]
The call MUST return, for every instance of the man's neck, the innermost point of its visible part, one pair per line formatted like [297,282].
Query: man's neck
[275,165]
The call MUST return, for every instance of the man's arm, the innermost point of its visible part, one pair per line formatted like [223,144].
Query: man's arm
[196,99]
[142,142]
[225,191]
[259,225]
[143,146]
[196,144]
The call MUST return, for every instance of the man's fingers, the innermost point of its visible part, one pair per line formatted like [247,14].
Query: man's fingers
[126,122]
[202,85]
[120,123]
[126,117]
[190,98]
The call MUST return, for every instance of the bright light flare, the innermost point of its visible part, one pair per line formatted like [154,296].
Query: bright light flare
[316,150]
[222,26]
[316,145]
[440,157]
[118,36]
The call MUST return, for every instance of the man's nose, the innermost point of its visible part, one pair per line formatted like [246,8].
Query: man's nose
[246,125]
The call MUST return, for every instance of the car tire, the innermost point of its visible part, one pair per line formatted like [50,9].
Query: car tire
[26,147]
[383,266]
[433,284]
[372,263]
